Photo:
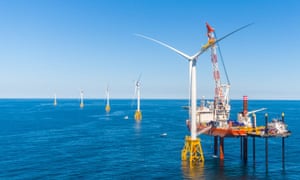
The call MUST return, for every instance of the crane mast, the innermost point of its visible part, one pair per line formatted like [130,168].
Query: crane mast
[221,97]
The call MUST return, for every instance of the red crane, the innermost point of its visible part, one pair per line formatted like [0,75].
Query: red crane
[221,97]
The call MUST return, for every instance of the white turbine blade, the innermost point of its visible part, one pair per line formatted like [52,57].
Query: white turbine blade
[166,45]
[199,53]
[135,88]
[139,79]
[233,32]
[107,91]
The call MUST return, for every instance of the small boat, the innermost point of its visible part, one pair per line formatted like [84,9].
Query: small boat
[277,128]
[125,117]
[163,134]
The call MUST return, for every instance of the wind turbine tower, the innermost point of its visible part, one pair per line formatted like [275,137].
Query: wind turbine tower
[107,107]
[55,102]
[81,99]
[192,147]
[138,113]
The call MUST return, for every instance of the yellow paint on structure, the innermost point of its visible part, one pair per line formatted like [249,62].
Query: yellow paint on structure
[193,150]
[138,115]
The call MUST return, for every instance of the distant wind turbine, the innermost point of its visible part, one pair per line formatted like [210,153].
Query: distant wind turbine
[138,113]
[107,107]
[81,99]
[55,101]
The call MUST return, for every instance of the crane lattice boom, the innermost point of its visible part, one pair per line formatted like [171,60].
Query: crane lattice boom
[221,98]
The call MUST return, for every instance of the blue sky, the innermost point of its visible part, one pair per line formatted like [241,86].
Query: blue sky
[62,46]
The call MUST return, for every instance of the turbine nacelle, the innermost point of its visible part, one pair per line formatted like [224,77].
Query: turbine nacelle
[137,83]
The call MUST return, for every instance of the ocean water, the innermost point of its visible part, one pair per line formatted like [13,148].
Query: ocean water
[40,141]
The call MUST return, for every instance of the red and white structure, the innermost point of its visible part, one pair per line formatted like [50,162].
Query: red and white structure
[221,97]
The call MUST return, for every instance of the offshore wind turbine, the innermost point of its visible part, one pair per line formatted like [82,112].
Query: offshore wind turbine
[192,145]
[55,101]
[107,107]
[138,113]
[81,99]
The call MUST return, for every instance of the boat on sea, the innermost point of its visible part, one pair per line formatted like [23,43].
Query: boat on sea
[277,128]
[163,134]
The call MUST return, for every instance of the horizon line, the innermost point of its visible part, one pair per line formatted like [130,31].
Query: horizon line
[95,98]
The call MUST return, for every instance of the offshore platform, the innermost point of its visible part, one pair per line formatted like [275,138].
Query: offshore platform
[212,118]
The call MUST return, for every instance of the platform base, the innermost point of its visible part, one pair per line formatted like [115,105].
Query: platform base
[81,105]
[107,108]
[192,151]
[138,115]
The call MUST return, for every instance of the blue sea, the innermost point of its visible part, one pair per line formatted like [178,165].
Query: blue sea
[42,141]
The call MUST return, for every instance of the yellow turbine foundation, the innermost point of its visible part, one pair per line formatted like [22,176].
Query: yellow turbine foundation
[81,105]
[107,108]
[138,115]
[193,150]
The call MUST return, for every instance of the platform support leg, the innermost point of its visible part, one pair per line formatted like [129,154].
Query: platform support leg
[266,141]
[283,158]
[215,145]
[221,148]
[253,150]
[245,149]
[241,146]
[283,150]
